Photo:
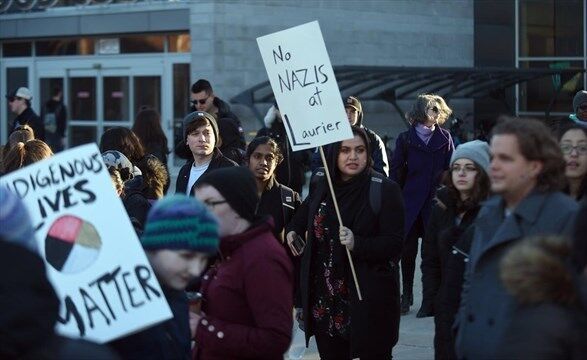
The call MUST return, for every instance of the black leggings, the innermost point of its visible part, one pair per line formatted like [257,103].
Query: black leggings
[409,253]
[337,348]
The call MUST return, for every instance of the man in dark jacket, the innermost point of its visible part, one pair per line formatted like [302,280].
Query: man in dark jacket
[200,132]
[203,99]
[54,115]
[526,172]
[354,112]
[19,102]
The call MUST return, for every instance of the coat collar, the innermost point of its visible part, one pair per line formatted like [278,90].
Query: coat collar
[440,138]
[495,229]
[229,244]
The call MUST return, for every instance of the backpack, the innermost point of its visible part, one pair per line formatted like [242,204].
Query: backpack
[50,120]
[374,189]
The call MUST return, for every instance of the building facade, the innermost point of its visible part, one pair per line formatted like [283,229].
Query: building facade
[113,57]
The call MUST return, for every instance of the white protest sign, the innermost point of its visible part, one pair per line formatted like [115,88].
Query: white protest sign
[304,86]
[94,259]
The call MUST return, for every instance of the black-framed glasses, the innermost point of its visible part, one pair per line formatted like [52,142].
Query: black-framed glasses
[200,101]
[434,108]
[567,149]
[210,203]
[12,98]
[467,169]
[583,107]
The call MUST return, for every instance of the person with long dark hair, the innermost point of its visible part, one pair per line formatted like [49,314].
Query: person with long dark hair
[344,326]
[421,155]
[147,127]
[445,249]
[573,142]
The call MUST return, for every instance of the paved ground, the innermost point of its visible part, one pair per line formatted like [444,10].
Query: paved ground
[415,335]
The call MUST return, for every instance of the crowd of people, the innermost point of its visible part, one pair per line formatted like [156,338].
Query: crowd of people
[242,259]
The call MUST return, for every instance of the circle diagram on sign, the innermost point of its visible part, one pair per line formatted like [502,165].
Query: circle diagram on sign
[72,244]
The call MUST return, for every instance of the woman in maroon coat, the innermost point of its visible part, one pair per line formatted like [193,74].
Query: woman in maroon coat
[247,296]
[421,155]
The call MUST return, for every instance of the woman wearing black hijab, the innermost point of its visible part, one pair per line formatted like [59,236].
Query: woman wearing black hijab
[344,326]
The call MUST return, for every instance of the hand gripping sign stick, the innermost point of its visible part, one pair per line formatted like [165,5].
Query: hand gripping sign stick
[327,172]
[305,88]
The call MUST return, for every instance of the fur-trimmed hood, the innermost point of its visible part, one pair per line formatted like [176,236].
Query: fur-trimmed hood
[538,270]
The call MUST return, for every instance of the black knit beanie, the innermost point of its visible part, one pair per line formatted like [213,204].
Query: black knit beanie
[191,117]
[238,186]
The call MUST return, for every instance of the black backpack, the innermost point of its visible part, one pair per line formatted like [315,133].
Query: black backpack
[318,179]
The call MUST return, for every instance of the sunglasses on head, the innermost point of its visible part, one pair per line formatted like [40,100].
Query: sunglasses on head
[200,101]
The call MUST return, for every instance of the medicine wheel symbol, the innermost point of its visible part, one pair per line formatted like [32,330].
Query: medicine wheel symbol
[72,244]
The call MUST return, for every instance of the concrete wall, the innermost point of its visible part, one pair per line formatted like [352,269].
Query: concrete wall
[386,33]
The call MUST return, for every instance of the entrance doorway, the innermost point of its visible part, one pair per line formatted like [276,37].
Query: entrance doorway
[98,99]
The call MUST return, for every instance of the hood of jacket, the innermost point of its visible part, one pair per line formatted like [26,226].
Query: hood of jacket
[538,270]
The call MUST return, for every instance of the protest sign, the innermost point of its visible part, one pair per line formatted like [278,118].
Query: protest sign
[94,259]
[304,86]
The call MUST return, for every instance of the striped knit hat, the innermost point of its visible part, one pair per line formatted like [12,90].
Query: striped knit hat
[180,222]
[16,222]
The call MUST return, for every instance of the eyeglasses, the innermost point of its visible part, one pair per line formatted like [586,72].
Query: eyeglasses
[568,149]
[434,108]
[11,99]
[200,101]
[210,203]
[467,169]
[583,107]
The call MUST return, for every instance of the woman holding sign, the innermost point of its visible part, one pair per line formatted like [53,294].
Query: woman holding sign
[372,212]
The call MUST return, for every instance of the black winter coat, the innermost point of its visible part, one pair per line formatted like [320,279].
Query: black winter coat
[30,118]
[170,339]
[374,321]
[218,161]
[444,255]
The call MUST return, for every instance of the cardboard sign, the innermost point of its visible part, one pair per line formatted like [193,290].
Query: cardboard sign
[94,259]
[304,86]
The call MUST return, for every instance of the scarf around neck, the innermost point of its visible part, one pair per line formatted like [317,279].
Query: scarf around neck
[424,132]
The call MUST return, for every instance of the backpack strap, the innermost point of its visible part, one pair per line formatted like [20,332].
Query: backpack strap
[375,192]
[374,188]
[287,203]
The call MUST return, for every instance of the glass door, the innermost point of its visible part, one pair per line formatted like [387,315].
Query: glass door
[100,99]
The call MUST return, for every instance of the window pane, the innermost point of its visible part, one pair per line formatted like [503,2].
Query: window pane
[116,98]
[79,135]
[82,98]
[141,44]
[15,49]
[179,43]
[551,28]
[147,92]
[181,95]
[539,95]
[83,46]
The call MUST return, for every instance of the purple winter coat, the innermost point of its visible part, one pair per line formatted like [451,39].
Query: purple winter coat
[425,166]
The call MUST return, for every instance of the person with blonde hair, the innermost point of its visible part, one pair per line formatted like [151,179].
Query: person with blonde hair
[23,154]
[422,154]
